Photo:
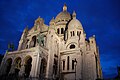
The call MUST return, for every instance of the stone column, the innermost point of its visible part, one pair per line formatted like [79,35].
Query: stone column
[39,64]
[34,64]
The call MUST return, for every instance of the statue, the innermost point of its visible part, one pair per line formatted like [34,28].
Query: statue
[41,40]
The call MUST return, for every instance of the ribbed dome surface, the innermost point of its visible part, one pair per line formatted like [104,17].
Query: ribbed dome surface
[75,23]
[64,15]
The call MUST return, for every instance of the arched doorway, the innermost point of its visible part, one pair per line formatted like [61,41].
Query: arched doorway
[43,68]
[28,66]
[8,65]
[17,65]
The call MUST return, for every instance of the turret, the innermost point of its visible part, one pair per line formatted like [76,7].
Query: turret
[52,22]
[93,43]
[39,21]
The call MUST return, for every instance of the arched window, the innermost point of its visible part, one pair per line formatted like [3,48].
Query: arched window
[78,33]
[63,65]
[72,46]
[34,39]
[73,33]
[33,42]
[68,62]
[62,30]
[58,31]
[72,64]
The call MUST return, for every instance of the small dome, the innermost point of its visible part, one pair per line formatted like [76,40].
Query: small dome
[64,15]
[74,23]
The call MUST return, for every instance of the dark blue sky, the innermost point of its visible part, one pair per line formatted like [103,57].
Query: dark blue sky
[99,17]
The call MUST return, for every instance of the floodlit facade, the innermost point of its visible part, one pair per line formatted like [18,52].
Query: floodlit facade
[59,51]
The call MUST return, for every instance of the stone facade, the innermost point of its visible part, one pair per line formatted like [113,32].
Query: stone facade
[58,51]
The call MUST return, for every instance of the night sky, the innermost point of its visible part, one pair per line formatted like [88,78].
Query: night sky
[98,17]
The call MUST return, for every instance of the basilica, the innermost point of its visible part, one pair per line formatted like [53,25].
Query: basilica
[58,51]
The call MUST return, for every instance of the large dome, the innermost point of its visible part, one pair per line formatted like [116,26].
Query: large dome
[64,15]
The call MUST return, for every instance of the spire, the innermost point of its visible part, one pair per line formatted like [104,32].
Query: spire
[64,7]
[74,15]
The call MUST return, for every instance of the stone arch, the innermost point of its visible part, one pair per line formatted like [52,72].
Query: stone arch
[8,65]
[27,65]
[43,67]
[17,63]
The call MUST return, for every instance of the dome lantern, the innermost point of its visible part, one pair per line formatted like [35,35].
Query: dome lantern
[74,15]
[64,7]
[63,16]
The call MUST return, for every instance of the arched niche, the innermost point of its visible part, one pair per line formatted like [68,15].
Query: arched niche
[33,42]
